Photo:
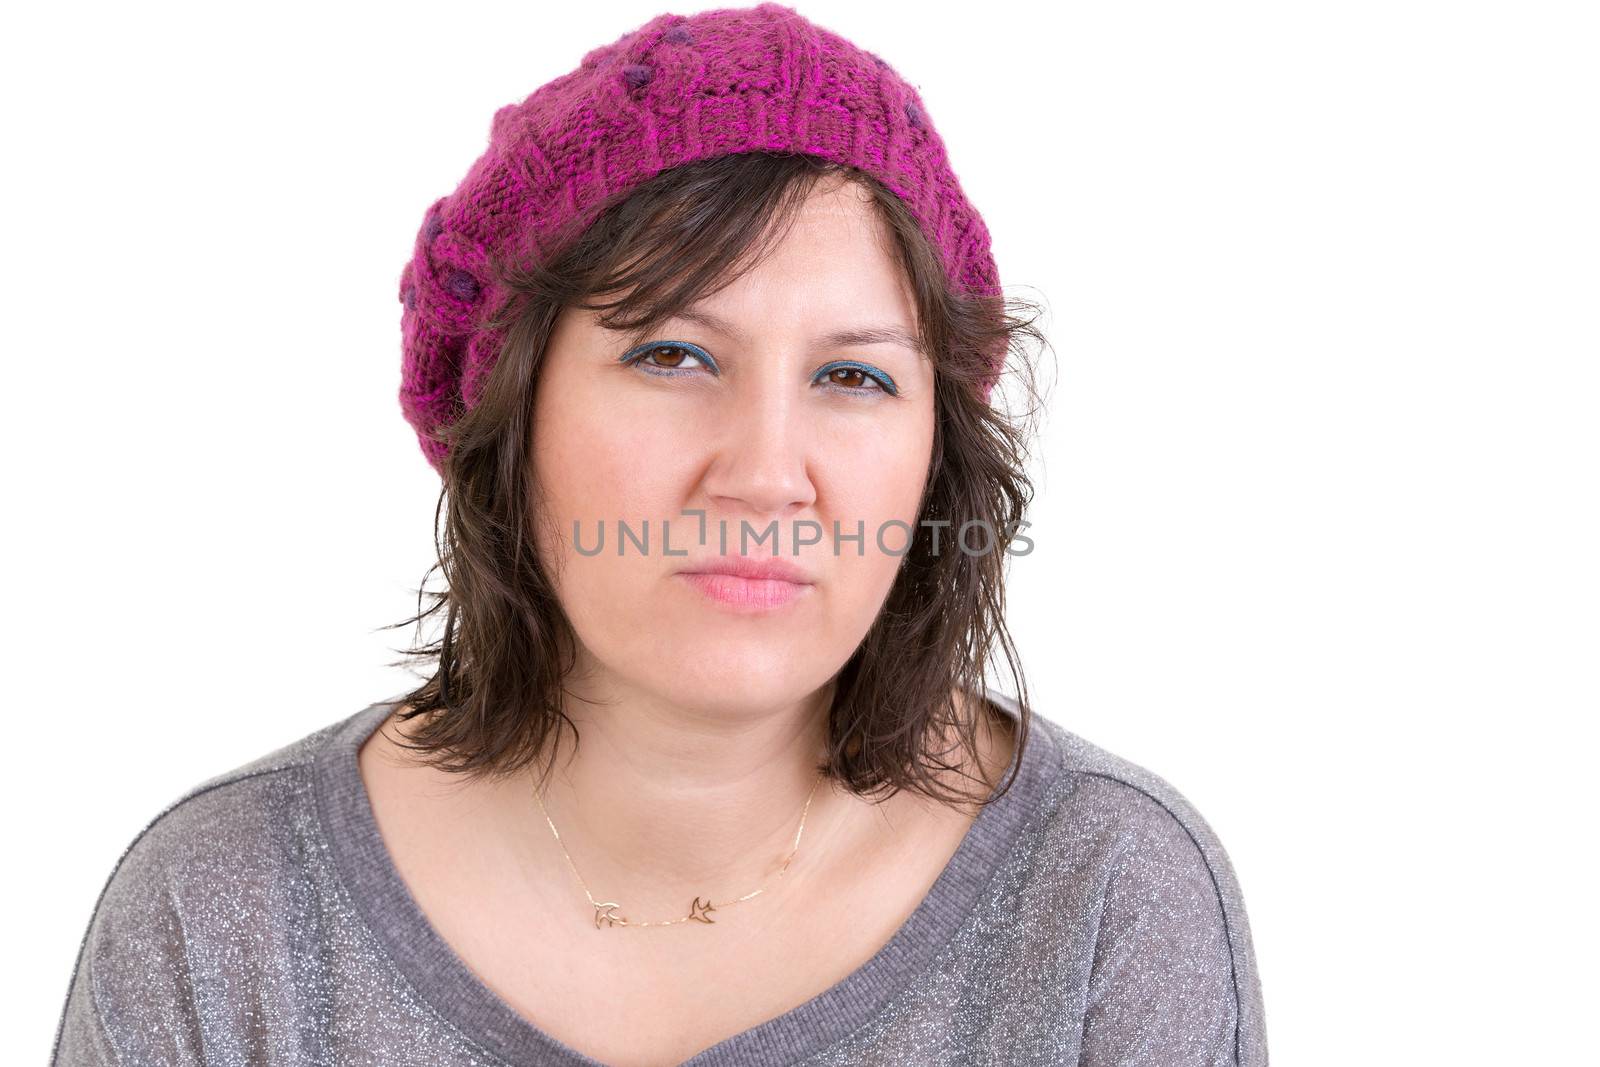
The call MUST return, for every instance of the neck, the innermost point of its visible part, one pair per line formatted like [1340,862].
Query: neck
[660,803]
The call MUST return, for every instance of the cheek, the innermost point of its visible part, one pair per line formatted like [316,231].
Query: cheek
[598,465]
[879,496]
[597,468]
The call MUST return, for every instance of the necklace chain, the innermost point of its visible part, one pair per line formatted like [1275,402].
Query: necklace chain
[605,912]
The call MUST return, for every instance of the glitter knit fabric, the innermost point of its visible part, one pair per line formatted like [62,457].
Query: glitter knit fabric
[1089,917]
[676,90]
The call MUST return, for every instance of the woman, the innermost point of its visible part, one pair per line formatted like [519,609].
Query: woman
[702,349]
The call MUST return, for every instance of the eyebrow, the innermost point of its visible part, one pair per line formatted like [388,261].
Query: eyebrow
[850,337]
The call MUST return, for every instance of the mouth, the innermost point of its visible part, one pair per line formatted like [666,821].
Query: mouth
[745,594]
[747,585]
[758,568]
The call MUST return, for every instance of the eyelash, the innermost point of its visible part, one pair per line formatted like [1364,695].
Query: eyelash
[639,355]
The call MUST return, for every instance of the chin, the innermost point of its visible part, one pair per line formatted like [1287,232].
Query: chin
[733,683]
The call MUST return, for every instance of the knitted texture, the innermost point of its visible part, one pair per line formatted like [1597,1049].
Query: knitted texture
[676,90]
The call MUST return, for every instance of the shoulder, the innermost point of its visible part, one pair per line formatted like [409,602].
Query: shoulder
[1133,808]
[201,866]
[225,819]
[1172,935]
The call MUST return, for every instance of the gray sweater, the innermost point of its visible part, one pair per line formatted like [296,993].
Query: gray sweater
[1089,917]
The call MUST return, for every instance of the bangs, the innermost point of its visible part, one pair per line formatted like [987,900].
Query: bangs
[688,233]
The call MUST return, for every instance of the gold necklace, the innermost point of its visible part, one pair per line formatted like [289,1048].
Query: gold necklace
[605,912]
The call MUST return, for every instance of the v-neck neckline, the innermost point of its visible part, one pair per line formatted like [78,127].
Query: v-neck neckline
[443,979]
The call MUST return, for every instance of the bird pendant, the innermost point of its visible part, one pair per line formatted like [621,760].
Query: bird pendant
[606,914]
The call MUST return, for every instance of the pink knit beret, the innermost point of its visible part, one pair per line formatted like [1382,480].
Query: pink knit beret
[676,90]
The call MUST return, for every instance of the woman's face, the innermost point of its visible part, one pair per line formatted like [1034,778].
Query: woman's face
[747,410]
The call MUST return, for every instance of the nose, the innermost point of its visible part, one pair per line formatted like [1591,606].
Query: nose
[761,456]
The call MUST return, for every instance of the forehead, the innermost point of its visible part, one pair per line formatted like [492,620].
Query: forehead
[836,230]
[832,264]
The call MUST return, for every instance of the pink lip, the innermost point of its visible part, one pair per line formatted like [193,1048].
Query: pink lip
[748,584]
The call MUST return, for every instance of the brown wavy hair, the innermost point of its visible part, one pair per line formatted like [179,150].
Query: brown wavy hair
[494,691]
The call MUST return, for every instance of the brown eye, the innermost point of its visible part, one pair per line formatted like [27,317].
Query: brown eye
[668,359]
[673,358]
[853,378]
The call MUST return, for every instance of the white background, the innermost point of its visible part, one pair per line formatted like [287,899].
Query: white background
[1318,493]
